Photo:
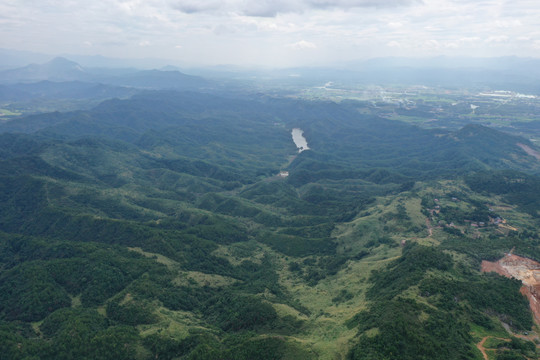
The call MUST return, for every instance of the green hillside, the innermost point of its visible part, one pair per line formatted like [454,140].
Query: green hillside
[157,227]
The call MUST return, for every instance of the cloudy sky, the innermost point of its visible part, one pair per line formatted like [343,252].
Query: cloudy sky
[272,32]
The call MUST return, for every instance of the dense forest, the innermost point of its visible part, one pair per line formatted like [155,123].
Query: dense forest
[157,227]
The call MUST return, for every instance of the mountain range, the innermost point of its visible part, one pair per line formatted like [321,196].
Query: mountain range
[63,70]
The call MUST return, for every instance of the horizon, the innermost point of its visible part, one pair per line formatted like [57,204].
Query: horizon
[22,58]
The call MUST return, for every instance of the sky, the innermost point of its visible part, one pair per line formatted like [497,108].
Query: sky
[276,33]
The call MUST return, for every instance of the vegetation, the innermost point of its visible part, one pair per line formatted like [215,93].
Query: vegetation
[130,232]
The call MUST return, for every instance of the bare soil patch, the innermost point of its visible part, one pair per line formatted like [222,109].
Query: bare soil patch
[526,270]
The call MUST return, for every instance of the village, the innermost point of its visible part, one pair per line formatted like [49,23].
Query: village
[446,214]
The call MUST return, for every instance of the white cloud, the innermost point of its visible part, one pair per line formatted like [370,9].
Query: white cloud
[255,31]
[302,44]
[433,44]
[469,40]
[360,3]
[224,29]
[497,39]
[194,6]
[271,8]
[505,24]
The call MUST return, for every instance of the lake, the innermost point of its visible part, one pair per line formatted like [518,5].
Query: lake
[299,139]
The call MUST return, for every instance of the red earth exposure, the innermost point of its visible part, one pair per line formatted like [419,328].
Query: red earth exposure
[526,270]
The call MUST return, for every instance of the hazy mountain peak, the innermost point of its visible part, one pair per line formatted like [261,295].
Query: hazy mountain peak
[57,69]
[170,68]
[62,63]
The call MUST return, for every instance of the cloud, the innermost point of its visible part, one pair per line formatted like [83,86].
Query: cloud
[224,29]
[301,45]
[271,8]
[268,8]
[113,43]
[432,44]
[347,4]
[505,24]
[497,39]
[194,6]
[469,40]
[273,31]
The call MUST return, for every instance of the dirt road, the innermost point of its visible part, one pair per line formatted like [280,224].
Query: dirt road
[429,228]
[481,347]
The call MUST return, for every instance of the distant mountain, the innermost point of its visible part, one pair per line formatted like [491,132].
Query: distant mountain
[58,69]
[505,73]
[157,79]
[49,90]
[63,70]
[11,59]
[448,62]
[508,73]
[169,68]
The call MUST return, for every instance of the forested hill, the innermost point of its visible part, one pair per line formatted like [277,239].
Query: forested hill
[158,227]
[337,133]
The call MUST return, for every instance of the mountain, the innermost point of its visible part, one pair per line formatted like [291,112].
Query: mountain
[186,225]
[10,59]
[61,70]
[160,79]
[57,69]
[61,84]
[365,141]
[169,68]
[508,73]
[61,90]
